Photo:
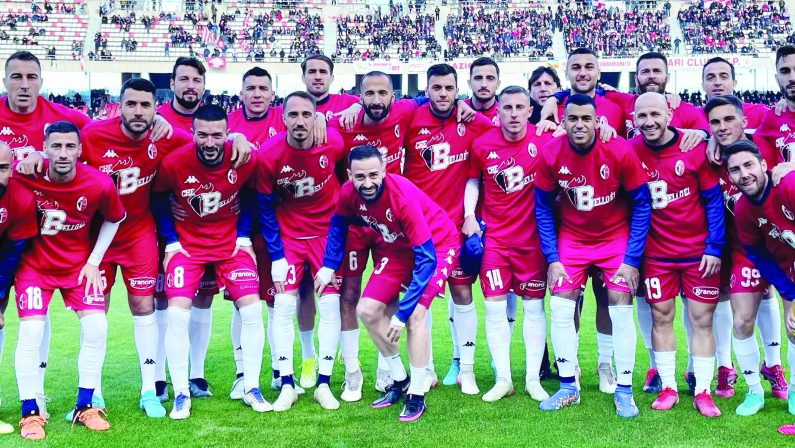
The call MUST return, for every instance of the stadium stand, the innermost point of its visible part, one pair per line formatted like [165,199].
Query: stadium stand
[51,30]
[612,32]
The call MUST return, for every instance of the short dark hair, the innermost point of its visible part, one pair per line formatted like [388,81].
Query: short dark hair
[318,57]
[61,127]
[299,94]
[743,145]
[441,70]
[210,112]
[482,62]
[726,100]
[22,56]
[579,99]
[652,55]
[138,84]
[510,90]
[363,152]
[190,62]
[581,50]
[375,73]
[716,60]
[784,51]
[258,72]
[537,73]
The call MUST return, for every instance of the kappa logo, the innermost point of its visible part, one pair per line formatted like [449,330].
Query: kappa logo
[362,208]
[786,211]
[3,215]
[469,344]
[424,131]
[360,138]
[149,362]
[604,171]
[110,153]
[679,168]
[231,176]
[287,169]
[564,170]
[6,131]
[82,203]
[492,155]
[784,128]
[191,180]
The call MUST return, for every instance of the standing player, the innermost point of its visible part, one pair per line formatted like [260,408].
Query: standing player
[68,198]
[414,231]
[484,80]
[543,83]
[506,160]
[680,258]
[204,181]
[299,173]
[17,226]
[718,79]
[604,217]
[437,162]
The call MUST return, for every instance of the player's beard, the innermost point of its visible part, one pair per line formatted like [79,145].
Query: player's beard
[490,96]
[659,88]
[188,104]
[788,96]
[371,197]
[379,115]
[216,161]
[3,189]
[128,126]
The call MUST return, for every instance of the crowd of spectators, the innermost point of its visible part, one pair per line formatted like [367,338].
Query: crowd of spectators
[768,98]
[614,32]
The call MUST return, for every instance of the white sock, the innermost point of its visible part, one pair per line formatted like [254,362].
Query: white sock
[666,367]
[626,339]
[349,349]
[688,332]
[747,353]
[451,321]
[534,332]
[328,332]
[498,336]
[44,352]
[722,324]
[252,338]
[604,344]
[768,319]
[237,350]
[396,368]
[417,383]
[92,350]
[429,326]
[283,331]
[563,334]
[704,370]
[26,358]
[511,310]
[382,364]
[146,335]
[645,324]
[160,361]
[466,328]
[791,362]
[199,329]
[177,348]
[307,339]
[271,343]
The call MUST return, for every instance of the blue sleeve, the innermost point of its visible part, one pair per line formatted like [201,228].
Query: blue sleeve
[248,204]
[424,265]
[770,270]
[335,243]
[562,95]
[420,99]
[716,227]
[639,225]
[545,223]
[10,252]
[161,210]
[266,204]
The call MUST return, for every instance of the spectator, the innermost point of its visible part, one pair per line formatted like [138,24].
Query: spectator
[613,32]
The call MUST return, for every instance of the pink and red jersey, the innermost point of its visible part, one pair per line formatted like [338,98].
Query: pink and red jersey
[66,211]
[594,207]
[780,129]
[437,157]
[209,195]
[403,215]
[508,170]
[257,130]
[755,114]
[24,133]
[492,113]
[132,165]
[686,116]
[335,103]
[304,181]
[177,120]
[388,135]
[675,181]
[17,213]
[604,108]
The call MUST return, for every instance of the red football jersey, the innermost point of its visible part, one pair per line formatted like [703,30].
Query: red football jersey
[686,116]
[65,211]
[176,119]
[208,195]
[388,136]
[305,182]
[594,183]
[403,215]
[613,112]
[24,133]
[755,114]
[437,157]
[779,129]
[17,212]
[508,170]
[132,165]
[492,113]
[257,130]
[335,103]
[675,181]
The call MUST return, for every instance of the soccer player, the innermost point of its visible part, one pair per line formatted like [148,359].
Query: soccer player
[484,80]
[17,226]
[257,119]
[543,83]
[414,231]
[299,173]
[204,181]
[506,160]
[317,72]
[604,218]
[68,198]
[437,162]
[763,216]
[778,128]
[741,284]
[678,258]
[718,79]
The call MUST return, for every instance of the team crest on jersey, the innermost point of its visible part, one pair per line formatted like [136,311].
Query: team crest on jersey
[495,120]
[272,131]
[679,168]
[461,129]
[323,161]
[231,176]
[82,203]
[786,211]
[532,150]
[151,151]
[604,171]
[397,131]
[3,215]
[389,216]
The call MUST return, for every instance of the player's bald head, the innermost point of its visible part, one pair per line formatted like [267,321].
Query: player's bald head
[6,160]
[5,152]
[651,99]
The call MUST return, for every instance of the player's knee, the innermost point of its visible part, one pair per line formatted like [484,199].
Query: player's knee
[663,313]
[743,324]
[417,319]
[285,305]
[141,305]
[94,328]
[367,312]
[701,320]
[351,290]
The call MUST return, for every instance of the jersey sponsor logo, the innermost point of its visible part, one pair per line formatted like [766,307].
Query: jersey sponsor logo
[604,171]
[3,215]
[92,299]
[784,209]
[360,138]
[110,153]
[323,161]
[142,282]
[533,285]
[435,152]
[286,169]
[581,194]
[784,236]
[661,198]
[242,274]
[205,200]
[511,177]
[231,176]
[492,155]
[706,292]
[386,234]
[6,131]
[191,180]
[461,129]
[424,131]
[786,145]
[397,131]
[679,168]
[81,203]
[151,151]
[532,150]
[126,177]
